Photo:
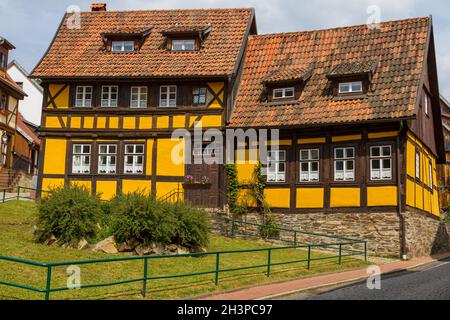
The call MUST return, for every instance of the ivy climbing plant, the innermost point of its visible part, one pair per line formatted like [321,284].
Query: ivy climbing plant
[232,186]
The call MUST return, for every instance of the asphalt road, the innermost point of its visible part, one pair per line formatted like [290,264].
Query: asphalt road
[429,282]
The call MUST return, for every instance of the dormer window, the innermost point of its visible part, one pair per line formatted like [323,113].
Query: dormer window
[122,46]
[350,87]
[283,93]
[2,60]
[183,45]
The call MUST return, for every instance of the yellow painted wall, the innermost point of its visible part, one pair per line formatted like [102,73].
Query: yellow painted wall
[179,121]
[410,193]
[130,186]
[75,122]
[82,183]
[311,140]
[278,198]
[106,189]
[55,156]
[164,188]
[410,159]
[149,159]
[52,123]
[216,87]
[88,123]
[129,123]
[113,122]
[162,122]
[101,123]
[345,197]
[145,123]
[51,183]
[379,135]
[382,196]
[62,101]
[210,121]
[246,198]
[347,138]
[310,198]
[165,165]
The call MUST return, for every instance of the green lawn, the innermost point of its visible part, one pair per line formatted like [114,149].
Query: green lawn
[17,220]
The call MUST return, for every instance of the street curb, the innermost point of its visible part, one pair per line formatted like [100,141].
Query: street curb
[349,281]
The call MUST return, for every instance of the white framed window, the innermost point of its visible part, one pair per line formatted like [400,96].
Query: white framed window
[81,159]
[426,103]
[168,97]
[110,96]
[350,87]
[199,96]
[309,165]
[122,46]
[183,45]
[3,102]
[417,164]
[276,166]
[134,159]
[83,97]
[282,93]
[344,164]
[107,158]
[430,169]
[381,163]
[138,97]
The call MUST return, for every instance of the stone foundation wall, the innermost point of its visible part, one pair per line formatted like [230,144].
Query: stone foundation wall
[425,235]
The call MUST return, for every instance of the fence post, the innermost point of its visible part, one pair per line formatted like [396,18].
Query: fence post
[295,238]
[144,284]
[340,253]
[309,257]
[269,258]
[365,251]
[217,269]
[49,283]
[18,193]
[4,196]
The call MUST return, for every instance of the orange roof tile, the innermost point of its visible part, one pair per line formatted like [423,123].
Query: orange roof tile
[398,48]
[78,52]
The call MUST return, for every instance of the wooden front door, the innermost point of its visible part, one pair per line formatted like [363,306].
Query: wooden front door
[203,195]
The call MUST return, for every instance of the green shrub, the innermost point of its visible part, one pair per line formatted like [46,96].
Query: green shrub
[144,219]
[138,217]
[70,213]
[192,228]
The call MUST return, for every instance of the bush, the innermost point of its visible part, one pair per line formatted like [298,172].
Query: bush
[136,217]
[70,214]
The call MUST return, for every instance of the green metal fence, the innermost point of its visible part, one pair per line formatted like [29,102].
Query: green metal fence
[20,193]
[340,248]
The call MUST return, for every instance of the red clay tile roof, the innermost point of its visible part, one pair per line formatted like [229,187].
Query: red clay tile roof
[353,68]
[5,79]
[77,52]
[398,47]
[287,74]
[26,132]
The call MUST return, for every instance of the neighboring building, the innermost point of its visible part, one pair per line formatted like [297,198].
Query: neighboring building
[444,169]
[115,90]
[357,108]
[10,94]
[360,127]
[31,106]
[26,149]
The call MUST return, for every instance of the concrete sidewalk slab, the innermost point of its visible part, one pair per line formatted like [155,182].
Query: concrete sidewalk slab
[289,287]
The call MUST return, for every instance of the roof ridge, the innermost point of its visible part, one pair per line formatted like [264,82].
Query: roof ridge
[169,10]
[275,34]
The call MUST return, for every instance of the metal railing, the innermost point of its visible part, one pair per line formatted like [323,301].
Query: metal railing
[21,193]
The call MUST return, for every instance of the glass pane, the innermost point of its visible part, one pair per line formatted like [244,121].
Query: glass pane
[289,92]
[386,151]
[339,176]
[86,149]
[387,164]
[339,153]
[139,159]
[139,149]
[375,151]
[356,86]
[304,155]
[344,87]
[304,177]
[339,165]
[112,149]
[314,166]
[375,175]
[349,152]
[305,167]
[282,156]
[387,174]
[349,165]
[129,149]
[103,149]
[315,154]
[278,94]
[77,148]
[375,164]
[314,176]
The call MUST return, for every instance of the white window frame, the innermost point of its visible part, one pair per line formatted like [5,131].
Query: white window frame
[273,166]
[82,156]
[134,168]
[168,92]
[313,176]
[427,103]
[140,103]
[345,159]
[123,45]
[430,168]
[110,102]
[108,168]
[184,45]
[84,93]
[283,93]
[381,158]
[350,87]
[417,164]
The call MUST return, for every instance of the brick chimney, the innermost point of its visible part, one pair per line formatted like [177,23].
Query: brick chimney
[98,7]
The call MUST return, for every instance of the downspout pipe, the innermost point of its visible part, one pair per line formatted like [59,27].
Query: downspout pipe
[401,214]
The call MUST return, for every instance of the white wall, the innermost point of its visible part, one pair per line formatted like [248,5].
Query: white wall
[31,106]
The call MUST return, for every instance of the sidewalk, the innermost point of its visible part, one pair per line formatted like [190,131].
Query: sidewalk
[293,286]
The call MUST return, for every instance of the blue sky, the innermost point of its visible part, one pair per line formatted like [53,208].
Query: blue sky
[30,25]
